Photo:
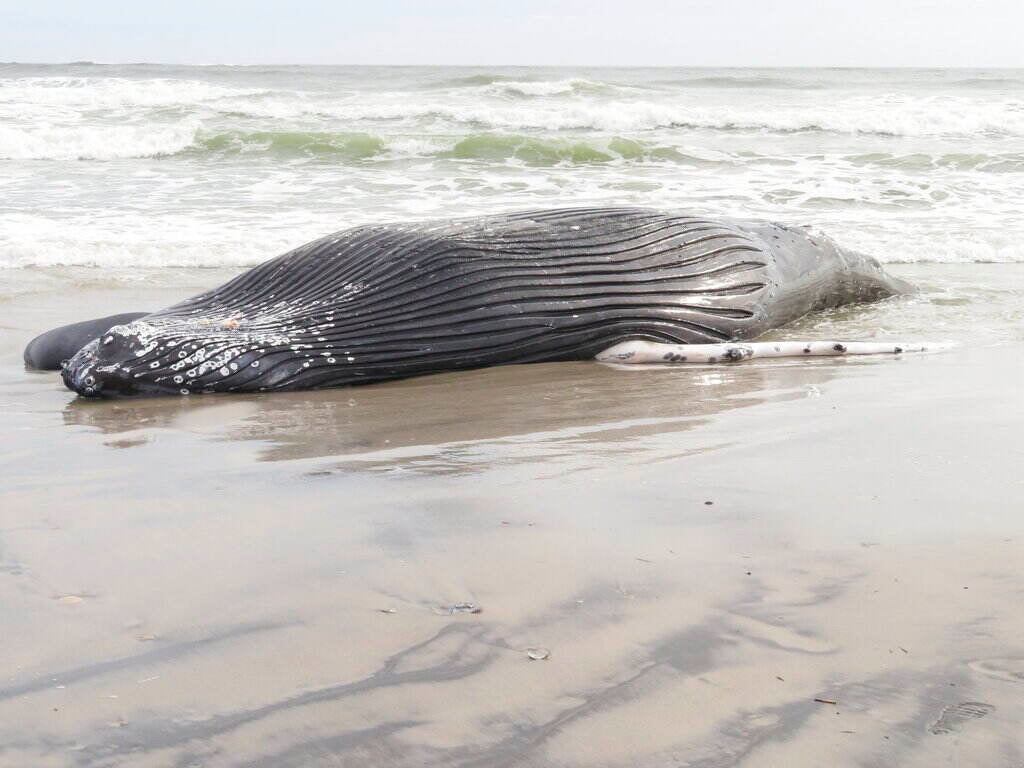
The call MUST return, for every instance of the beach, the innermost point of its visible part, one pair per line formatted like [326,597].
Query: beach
[768,563]
[709,555]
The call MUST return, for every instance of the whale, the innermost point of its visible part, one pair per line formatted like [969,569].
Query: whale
[388,301]
[49,351]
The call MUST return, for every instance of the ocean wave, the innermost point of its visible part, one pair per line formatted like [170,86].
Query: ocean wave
[524,85]
[96,142]
[93,93]
[938,248]
[485,147]
[1012,162]
[350,146]
[29,241]
[188,139]
[891,115]
[743,81]
[535,88]
[532,150]
[988,82]
[513,105]
[472,81]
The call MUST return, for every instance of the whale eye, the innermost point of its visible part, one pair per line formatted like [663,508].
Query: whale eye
[89,380]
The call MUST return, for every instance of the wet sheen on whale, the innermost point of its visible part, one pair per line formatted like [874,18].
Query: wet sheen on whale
[389,301]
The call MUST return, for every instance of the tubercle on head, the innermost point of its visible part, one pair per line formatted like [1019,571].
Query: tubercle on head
[178,357]
[100,370]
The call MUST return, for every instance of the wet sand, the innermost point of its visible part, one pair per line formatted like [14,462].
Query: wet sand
[769,564]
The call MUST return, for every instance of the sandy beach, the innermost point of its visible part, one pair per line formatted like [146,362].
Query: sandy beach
[767,564]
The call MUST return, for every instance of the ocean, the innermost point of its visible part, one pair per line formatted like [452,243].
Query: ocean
[126,168]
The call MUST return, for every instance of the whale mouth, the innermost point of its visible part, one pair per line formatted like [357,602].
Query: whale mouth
[88,374]
[79,373]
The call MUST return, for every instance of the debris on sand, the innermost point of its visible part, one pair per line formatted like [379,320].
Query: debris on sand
[451,610]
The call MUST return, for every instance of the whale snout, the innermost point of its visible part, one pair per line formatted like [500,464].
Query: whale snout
[79,373]
[98,370]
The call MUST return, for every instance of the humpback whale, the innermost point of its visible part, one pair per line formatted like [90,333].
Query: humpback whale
[388,301]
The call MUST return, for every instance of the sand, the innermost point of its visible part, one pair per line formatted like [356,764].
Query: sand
[786,563]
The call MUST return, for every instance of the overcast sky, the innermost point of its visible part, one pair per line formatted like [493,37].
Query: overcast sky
[964,33]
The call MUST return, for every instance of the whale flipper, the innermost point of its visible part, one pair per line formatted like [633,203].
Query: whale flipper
[47,351]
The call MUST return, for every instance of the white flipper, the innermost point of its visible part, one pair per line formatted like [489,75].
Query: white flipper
[732,352]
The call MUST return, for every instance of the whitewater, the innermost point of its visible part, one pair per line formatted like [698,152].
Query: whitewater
[134,167]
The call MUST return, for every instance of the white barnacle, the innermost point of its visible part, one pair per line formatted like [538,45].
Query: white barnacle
[179,379]
[155,364]
[331,360]
[255,364]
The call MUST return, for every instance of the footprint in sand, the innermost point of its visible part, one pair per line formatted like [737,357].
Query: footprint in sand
[955,715]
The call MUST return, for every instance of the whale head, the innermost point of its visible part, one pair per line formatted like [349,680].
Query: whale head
[175,355]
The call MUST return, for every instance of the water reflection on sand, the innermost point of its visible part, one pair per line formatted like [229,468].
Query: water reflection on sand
[566,413]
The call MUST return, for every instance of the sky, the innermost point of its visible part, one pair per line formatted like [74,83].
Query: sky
[866,33]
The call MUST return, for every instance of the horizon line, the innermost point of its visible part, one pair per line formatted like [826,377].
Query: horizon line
[90,62]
